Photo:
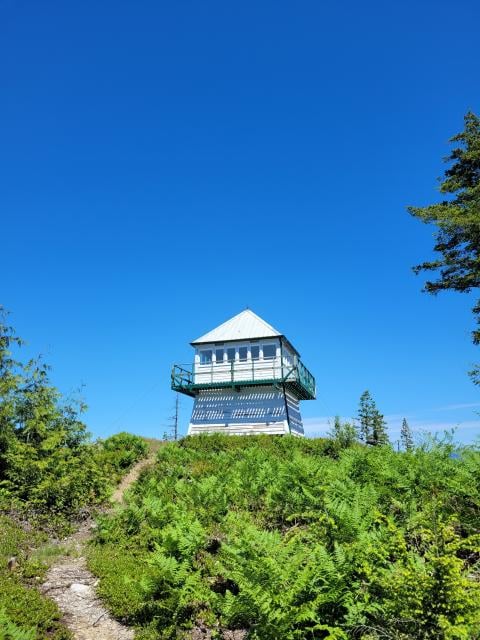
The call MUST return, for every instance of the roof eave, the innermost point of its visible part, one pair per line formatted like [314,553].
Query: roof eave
[289,344]
[195,342]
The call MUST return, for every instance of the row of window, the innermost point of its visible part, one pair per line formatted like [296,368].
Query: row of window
[229,354]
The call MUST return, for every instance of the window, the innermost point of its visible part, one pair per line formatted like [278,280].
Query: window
[219,355]
[231,354]
[206,356]
[243,353]
[255,351]
[269,351]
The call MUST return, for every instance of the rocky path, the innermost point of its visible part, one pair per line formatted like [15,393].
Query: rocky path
[71,585]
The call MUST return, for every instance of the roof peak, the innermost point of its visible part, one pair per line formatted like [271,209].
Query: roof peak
[243,326]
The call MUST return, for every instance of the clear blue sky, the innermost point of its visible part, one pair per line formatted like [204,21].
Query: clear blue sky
[165,164]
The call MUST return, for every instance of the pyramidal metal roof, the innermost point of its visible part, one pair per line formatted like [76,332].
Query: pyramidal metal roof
[244,326]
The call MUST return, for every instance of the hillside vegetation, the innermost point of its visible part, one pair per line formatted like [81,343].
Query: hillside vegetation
[51,474]
[35,508]
[282,538]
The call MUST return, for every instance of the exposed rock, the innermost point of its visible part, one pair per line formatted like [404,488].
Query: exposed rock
[71,585]
[234,634]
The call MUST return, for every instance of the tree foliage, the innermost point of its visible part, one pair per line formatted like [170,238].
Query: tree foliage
[343,434]
[47,463]
[406,436]
[457,239]
[372,426]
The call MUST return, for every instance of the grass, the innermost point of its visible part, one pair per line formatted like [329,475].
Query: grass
[25,614]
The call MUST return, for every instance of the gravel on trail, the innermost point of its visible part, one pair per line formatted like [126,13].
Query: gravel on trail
[72,586]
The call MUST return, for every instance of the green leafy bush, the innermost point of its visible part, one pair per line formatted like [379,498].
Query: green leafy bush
[48,465]
[289,538]
[118,453]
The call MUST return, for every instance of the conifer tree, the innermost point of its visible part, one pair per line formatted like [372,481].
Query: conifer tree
[406,436]
[379,428]
[457,221]
[10,380]
[373,428]
[365,416]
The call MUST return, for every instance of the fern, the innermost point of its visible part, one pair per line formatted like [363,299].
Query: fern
[10,631]
[278,538]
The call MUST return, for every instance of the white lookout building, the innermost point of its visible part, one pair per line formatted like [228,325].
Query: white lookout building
[246,378]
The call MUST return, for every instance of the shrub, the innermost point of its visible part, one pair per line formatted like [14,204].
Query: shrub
[119,452]
[291,539]
[48,466]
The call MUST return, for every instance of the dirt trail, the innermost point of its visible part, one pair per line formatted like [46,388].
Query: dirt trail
[71,585]
[131,477]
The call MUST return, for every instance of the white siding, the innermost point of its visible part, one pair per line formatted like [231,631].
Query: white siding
[252,410]
[261,355]
[294,416]
[278,429]
[225,371]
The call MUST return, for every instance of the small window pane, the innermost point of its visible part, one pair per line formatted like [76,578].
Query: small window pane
[269,351]
[231,354]
[206,356]
[219,355]
[243,353]
[255,351]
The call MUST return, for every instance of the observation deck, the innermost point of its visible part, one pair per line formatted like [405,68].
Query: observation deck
[190,379]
